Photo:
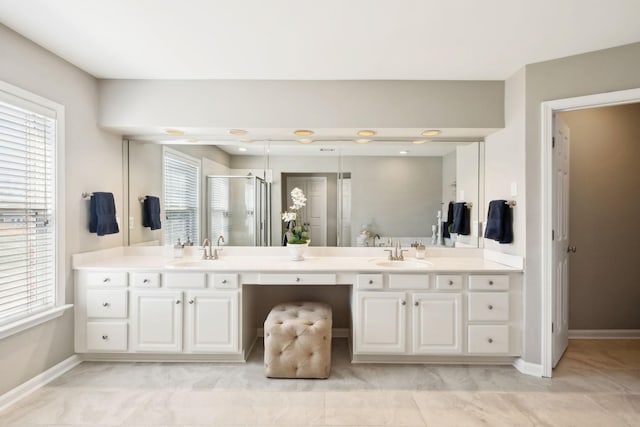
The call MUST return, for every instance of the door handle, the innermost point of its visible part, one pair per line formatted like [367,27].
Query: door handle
[571,249]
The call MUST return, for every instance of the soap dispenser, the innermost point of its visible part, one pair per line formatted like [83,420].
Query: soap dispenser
[188,247]
[178,249]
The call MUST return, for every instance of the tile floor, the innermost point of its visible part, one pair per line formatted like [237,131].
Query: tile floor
[597,383]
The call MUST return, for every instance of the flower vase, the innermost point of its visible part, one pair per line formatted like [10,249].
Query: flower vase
[296,250]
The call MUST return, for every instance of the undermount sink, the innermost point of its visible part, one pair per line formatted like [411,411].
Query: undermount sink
[192,263]
[400,264]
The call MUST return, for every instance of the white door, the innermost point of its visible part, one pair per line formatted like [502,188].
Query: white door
[560,209]
[381,322]
[212,322]
[157,321]
[437,323]
[314,214]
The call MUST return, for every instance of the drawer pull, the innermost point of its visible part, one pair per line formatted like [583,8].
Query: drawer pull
[145,281]
[191,301]
[224,281]
[371,281]
[297,279]
[490,307]
[105,337]
[105,304]
[490,282]
[490,340]
[106,280]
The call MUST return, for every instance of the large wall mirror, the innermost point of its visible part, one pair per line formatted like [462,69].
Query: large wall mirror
[357,196]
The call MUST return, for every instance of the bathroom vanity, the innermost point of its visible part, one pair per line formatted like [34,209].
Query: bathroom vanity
[139,304]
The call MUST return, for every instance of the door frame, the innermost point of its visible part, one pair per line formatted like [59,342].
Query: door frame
[548,109]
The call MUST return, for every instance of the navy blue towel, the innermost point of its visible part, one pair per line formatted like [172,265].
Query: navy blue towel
[499,226]
[461,219]
[445,224]
[102,214]
[151,213]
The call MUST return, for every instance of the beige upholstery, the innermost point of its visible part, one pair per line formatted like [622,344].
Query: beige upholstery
[297,340]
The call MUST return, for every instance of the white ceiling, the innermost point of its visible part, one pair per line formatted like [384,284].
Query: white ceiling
[328,39]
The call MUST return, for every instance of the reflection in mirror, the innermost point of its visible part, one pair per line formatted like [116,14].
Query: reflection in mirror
[353,200]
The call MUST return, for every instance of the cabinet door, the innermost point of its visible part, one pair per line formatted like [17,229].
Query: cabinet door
[212,322]
[157,321]
[437,323]
[380,325]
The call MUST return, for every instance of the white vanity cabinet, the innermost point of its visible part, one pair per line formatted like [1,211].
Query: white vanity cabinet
[156,321]
[212,322]
[410,322]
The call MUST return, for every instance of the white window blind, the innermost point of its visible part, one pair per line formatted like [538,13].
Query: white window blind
[219,209]
[181,201]
[27,206]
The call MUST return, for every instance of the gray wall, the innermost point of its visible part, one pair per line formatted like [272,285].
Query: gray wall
[128,104]
[591,73]
[93,163]
[604,206]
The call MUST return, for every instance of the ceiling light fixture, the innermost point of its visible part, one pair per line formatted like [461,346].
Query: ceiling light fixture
[419,141]
[242,149]
[238,132]
[174,132]
[404,152]
[362,141]
[431,132]
[303,132]
[367,132]
[305,141]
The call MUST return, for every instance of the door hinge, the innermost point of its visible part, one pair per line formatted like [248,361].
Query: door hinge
[553,234]
[552,327]
[553,142]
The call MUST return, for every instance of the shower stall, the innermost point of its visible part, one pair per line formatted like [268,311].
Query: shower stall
[238,208]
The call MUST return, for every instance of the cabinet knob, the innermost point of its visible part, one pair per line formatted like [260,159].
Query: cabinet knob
[371,281]
[105,304]
[178,302]
[450,282]
[403,302]
[106,280]
[490,307]
[297,279]
[490,340]
[105,337]
[224,281]
[145,281]
[191,301]
[416,303]
[490,282]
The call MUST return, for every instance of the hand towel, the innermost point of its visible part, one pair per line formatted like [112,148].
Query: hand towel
[445,224]
[499,222]
[461,219]
[102,214]
[151,213]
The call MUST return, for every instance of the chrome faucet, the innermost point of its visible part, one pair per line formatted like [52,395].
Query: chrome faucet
[220,237]
[375,236]
[398,254]
[206,243]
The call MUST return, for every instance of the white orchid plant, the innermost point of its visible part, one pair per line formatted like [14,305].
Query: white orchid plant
[297,234]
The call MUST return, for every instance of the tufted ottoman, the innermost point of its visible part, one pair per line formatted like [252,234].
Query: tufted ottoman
[297,340]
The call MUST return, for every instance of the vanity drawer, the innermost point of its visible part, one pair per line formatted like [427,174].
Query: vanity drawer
[145,280]
[107,278]
[488,339]
[185,280]
[369,281]
[448,281]
[106,303]
[488,306]
[298,279]
[489,282]
[408,281]
[106,336]
[223,281]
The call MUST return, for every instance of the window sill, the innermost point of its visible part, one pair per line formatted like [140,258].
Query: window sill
[31,321]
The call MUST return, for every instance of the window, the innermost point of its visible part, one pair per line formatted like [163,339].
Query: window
[181,197]
[30,268]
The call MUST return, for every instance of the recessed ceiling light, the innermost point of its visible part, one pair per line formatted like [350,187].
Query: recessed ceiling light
[403,152]
[242,149]
[174,132]
[305,141]
[366,132]
[238,132]
[419,141]
[431,132]
[245,140]
[362,141]
[303,132]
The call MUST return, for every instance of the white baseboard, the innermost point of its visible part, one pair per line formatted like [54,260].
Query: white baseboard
[528,368]
[335,332]
[604,334]
[28,387]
